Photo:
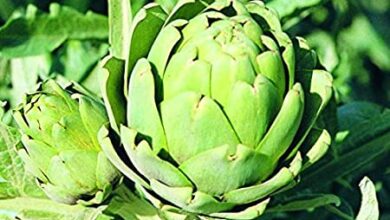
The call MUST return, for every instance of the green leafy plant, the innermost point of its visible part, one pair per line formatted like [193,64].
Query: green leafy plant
[211,109]
[218,111]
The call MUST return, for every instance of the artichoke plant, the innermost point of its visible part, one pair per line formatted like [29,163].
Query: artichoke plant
[60,144]
[221,104]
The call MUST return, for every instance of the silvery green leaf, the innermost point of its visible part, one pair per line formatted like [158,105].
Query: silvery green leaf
[37,32]
[15,181]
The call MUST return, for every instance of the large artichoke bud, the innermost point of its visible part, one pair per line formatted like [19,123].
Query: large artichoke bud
[219,103]
[61,146]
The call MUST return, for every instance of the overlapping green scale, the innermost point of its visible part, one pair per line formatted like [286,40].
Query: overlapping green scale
[61,147]
[218,106]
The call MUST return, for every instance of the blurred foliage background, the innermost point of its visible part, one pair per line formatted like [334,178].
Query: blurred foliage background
[351,37]
[9,6]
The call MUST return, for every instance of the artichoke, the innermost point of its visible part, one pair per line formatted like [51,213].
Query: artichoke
[61,147]
[221,104]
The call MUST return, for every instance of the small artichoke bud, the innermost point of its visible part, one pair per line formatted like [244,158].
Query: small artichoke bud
[60,144]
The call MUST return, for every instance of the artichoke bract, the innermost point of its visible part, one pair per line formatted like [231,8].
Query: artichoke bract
[61,147]
[220,102]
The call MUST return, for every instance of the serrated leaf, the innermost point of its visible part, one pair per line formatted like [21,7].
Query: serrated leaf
[38,32]
[15,181]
